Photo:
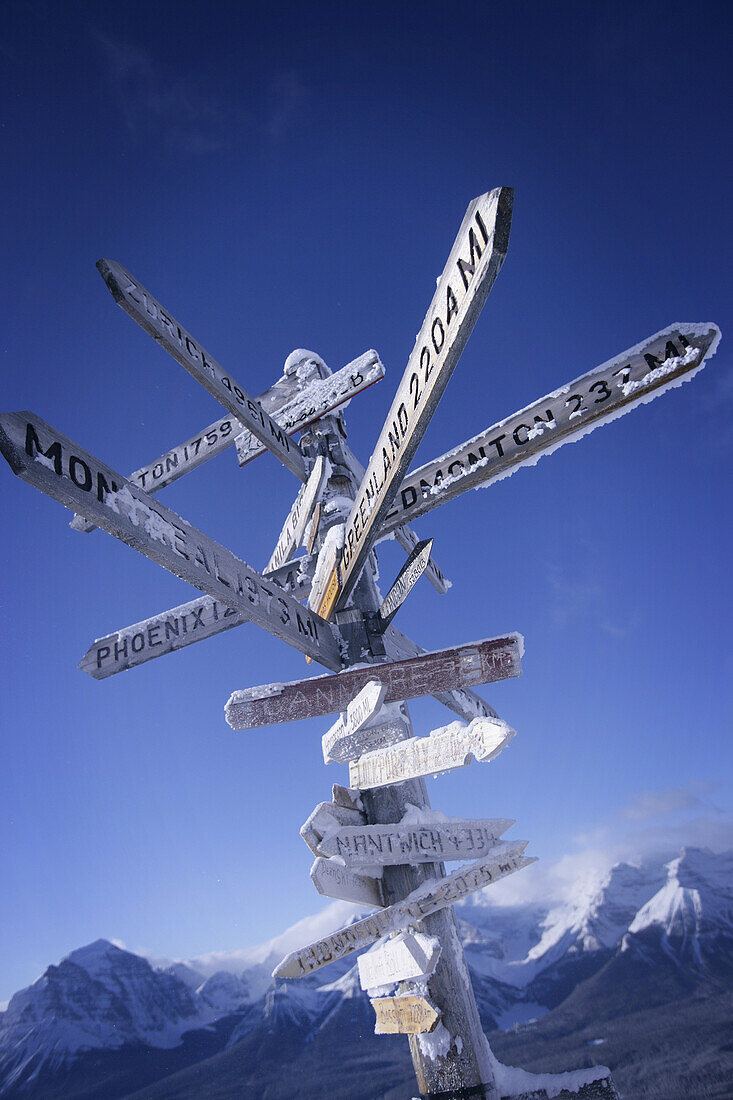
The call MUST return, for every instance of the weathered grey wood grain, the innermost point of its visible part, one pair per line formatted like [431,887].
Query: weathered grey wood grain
[367,845]
[54,464]
[633,378]
[407,1015]
[401,958]
[481,662]
[426,899]
[473,264]
[132,296]
[405,581]
[320,398]
[359,711]
[326,817]
[335,881]
[454,746]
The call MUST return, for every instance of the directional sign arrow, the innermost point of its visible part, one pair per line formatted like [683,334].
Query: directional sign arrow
[326,817]
[54,464]
[407,578]
[163,327]
[335,881]
[473,264]
[428,898]
[359,711]
[633,378]
[477,663]
[450,747]
[407,1015]
[298,517]
[368,845]
[400,959]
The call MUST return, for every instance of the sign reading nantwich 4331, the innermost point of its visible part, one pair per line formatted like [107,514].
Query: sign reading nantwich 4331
[54,464]
[634,377]
[427,899]
[477,663]
[391,845]
[163,327]
[473,264]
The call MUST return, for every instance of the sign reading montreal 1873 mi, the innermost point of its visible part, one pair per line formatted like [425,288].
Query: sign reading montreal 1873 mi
[54,464]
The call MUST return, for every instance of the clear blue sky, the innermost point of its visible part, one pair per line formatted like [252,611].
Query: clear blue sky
[296,179]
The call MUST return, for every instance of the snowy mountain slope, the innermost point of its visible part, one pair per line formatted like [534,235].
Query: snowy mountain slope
[103,1003]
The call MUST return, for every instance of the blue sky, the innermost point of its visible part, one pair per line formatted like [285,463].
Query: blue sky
[296,179]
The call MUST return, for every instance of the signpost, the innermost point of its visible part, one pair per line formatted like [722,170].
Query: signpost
[427,899]
[54,464]
[473,264]
[635,377]
[404,957]
[445,749]
[481,662]
[409,1015]
[377,843]
[391,845]
[163,327]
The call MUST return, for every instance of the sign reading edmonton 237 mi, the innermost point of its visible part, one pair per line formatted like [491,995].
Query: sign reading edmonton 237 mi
[163,327]
[54,464]
[473,264]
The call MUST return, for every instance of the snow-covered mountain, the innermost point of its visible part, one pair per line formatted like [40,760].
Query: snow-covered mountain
[102,1002]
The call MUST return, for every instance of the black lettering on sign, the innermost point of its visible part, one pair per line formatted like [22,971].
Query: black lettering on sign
[53,454]
[468,267]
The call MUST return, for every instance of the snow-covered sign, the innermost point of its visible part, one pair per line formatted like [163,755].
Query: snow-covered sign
[430,842]
[481,662]
[335,881]
[324,589]
[359,711]
[426,899]
[298,517]
[163,327]
[407,578]
[348,747]
[54,464]
[327,817]
[399,959]
[181,626]
[408,540]
[450,747]
[634,377]
[473,264]
[320,397]
[407,1015]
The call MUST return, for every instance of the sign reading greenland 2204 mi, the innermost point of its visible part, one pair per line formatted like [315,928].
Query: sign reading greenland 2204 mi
[473,264]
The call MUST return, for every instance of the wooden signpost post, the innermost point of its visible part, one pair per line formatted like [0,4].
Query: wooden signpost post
[376,843]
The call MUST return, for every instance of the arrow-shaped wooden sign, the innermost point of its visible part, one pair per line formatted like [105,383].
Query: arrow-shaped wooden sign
[481,662]
[340,748]
[360,710]
[407,578]
[326,817]
[450,747]
[401,958]
[473,264]
[428,898]
[336,881]
[298,517]
[391,845]
[163,327]
[54,464]
[406,1015]
[633,378]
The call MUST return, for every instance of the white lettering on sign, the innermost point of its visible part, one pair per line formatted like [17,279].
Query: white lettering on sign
[426,899]
[450,747]
[406,580]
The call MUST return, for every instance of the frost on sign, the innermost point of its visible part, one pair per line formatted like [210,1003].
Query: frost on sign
[450,747]
[399,959]
[390,845]
[359,711]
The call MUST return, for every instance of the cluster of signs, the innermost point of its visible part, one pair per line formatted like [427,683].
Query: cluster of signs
[371,735]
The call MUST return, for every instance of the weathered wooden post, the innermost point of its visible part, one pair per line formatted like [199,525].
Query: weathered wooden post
[377,841]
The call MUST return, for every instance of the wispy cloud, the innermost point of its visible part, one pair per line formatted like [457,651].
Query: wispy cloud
[580,597]
[178,113]
[671,800]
